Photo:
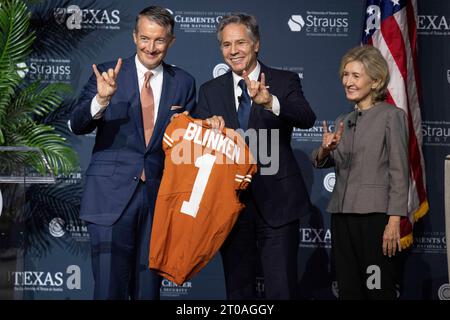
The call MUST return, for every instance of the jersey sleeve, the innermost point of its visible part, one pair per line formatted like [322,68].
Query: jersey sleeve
[244,176]
[168,140]
[246,167]
[175,131]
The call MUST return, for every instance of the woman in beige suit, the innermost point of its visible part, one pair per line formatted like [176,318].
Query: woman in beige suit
[369,151]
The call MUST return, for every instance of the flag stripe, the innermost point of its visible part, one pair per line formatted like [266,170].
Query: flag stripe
[391,27]
[411,12]
[391,31]
[397,97]
[400,88]
[413,110]
[414,117]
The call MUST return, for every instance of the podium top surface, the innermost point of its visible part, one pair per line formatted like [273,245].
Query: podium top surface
[20,171]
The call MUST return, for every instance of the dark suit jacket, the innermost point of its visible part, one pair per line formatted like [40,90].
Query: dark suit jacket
[281,198]
[119,153]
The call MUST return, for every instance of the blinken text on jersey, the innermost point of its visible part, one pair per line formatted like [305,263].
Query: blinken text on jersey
[214,140]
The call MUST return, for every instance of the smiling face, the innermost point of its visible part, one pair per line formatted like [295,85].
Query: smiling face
[152,42]
[358,85]
[239,50]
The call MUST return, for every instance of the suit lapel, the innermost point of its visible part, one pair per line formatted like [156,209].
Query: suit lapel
[231,119]
[256,107]
[131,88]
[169,88]
[267,73]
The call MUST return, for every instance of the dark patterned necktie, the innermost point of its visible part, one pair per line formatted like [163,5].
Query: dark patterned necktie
[245,104]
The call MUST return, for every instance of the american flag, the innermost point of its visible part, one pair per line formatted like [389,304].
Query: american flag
[390,26]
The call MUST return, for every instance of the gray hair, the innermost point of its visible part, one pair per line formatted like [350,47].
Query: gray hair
[248,21]
[158,15]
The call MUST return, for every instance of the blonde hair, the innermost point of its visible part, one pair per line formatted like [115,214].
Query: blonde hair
[374,64]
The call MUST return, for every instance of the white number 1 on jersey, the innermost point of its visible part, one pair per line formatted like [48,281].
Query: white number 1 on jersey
[204,164]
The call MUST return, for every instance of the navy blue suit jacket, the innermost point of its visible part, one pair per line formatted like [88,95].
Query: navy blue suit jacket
[283,197]
[119,153]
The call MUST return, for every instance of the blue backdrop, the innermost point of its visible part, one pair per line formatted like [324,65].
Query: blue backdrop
[305,36]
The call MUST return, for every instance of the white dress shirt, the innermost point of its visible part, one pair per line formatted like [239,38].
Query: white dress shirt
[156,83]
[254,75]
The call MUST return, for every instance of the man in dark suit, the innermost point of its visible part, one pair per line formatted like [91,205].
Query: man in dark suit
[130,105]
[254,96]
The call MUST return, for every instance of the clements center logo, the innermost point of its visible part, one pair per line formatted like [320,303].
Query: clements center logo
[313,134]
[321,23]
[329,181]
[444,292]
[170,289]
[220,69]
[197,21]
[78,231]
[76,18]
[296,69]
[56,227]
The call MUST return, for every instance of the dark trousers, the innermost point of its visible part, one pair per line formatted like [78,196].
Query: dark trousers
[252,239]
[362,271]
[120,252]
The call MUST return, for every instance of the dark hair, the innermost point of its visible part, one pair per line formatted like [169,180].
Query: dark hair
[240,18]
[159,15]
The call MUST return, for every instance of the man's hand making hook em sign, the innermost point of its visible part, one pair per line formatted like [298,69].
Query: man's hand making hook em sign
[106,83]
[258,90]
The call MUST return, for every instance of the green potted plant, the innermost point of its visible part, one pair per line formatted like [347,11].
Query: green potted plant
[24,106]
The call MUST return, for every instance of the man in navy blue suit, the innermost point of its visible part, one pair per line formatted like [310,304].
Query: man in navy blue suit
[254,96]
[129,103]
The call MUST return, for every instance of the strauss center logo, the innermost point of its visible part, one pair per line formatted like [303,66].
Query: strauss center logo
[321,23]
[296,23]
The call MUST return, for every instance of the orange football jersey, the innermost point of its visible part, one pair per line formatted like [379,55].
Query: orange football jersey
[197,203]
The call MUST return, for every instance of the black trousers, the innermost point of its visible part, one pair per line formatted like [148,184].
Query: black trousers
[362,271]
[252,242]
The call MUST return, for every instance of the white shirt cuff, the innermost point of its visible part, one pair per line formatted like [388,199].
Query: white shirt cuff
[97,109]
[276,108]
